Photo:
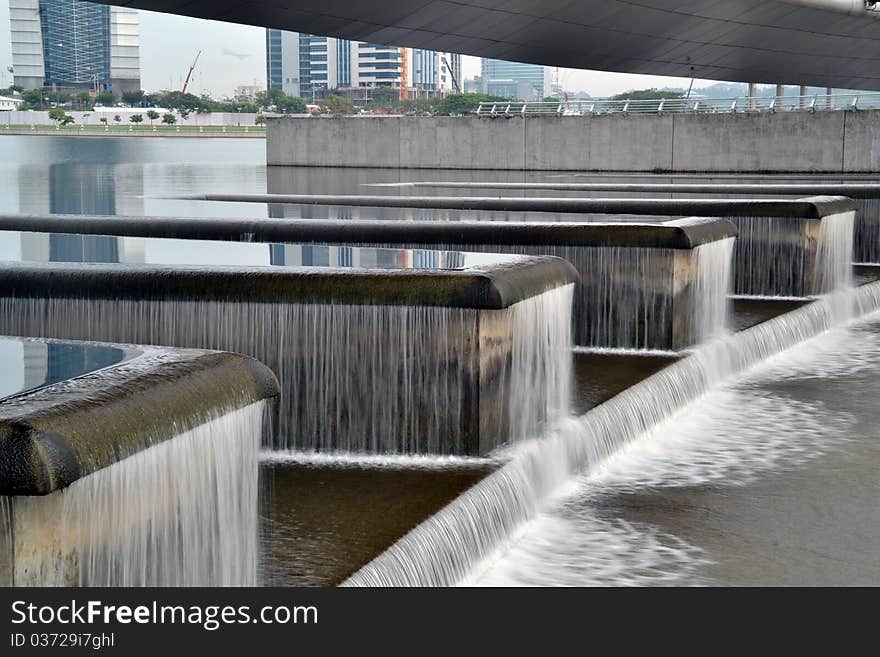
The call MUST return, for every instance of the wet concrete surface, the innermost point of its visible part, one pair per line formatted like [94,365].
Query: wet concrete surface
[321,523]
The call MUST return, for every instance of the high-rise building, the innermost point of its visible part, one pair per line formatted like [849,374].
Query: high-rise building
[514,79]
[303,65]
[71,44]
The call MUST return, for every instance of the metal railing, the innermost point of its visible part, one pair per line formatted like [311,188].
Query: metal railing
[741,104]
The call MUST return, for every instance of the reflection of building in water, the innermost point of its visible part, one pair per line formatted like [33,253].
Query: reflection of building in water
[78,189]
[35,360]
[295,255]
[56,247]
[310,255]
[85,186]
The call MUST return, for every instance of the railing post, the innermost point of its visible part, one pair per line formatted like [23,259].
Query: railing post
[660,107]
[626,107]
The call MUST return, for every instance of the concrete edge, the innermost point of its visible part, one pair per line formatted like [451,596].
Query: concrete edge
[646,206]
[823,206]
[487,287]
[368,231]
[57,434]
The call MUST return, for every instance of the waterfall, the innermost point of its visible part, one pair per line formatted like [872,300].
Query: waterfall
[636,298]
[712,286]
[866,240]
[440,551]
[793,257]
[359,378]
[180,513]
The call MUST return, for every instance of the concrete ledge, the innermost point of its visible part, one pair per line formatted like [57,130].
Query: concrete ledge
[658,207]
[57,434]
[484,287]
[679,234]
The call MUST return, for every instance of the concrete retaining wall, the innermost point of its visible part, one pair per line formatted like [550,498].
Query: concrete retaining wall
[794,142]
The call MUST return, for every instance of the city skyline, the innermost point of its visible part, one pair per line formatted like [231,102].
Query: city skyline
[234,55]
[305,65]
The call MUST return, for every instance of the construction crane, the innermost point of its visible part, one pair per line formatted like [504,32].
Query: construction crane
[451,74]
[404,73]
[191,69]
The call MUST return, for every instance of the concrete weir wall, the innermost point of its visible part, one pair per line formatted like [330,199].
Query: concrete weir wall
[638,286]
[106,476]
[446,351]
[792,142]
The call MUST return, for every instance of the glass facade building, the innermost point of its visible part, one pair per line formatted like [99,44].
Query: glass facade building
[274,74]
[72,44]
[306,65]
[76,43]
[515,72]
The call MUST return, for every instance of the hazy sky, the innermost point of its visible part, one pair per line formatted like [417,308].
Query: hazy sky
[236,54]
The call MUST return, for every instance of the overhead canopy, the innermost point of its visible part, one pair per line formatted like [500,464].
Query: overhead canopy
[771,41]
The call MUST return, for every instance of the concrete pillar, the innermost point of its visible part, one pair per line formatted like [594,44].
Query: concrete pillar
[803,95]
[753,101]
[780,97]
[830,100]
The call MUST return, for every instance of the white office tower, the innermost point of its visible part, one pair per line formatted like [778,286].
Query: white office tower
[305,65]
[71,44]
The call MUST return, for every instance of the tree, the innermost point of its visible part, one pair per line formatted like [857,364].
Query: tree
[290,104]
[136,118]
[169,119]
[279,100]
[105,98]
[117,118]
[33,97]
[133,98]
[259,120]
[386,97]
[103,120]
[338,105]
[85,99]
[458,104]
[647,94]
[152,115]
[60,117]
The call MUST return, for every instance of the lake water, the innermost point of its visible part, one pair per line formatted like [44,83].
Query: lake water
[127,175]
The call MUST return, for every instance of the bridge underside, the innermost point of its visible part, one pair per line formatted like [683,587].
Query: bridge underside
[741,40]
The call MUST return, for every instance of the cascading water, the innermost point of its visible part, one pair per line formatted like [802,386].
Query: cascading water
[538,372]
[359,378]
[441,551]
[638,298]
[712,285]
[793,257]
[866,239]
[834,257]
[180,513]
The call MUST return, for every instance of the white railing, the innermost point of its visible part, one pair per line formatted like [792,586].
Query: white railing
[741,104]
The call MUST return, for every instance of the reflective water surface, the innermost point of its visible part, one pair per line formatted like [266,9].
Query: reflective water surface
[30,364]
[18,246]
[771,480]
